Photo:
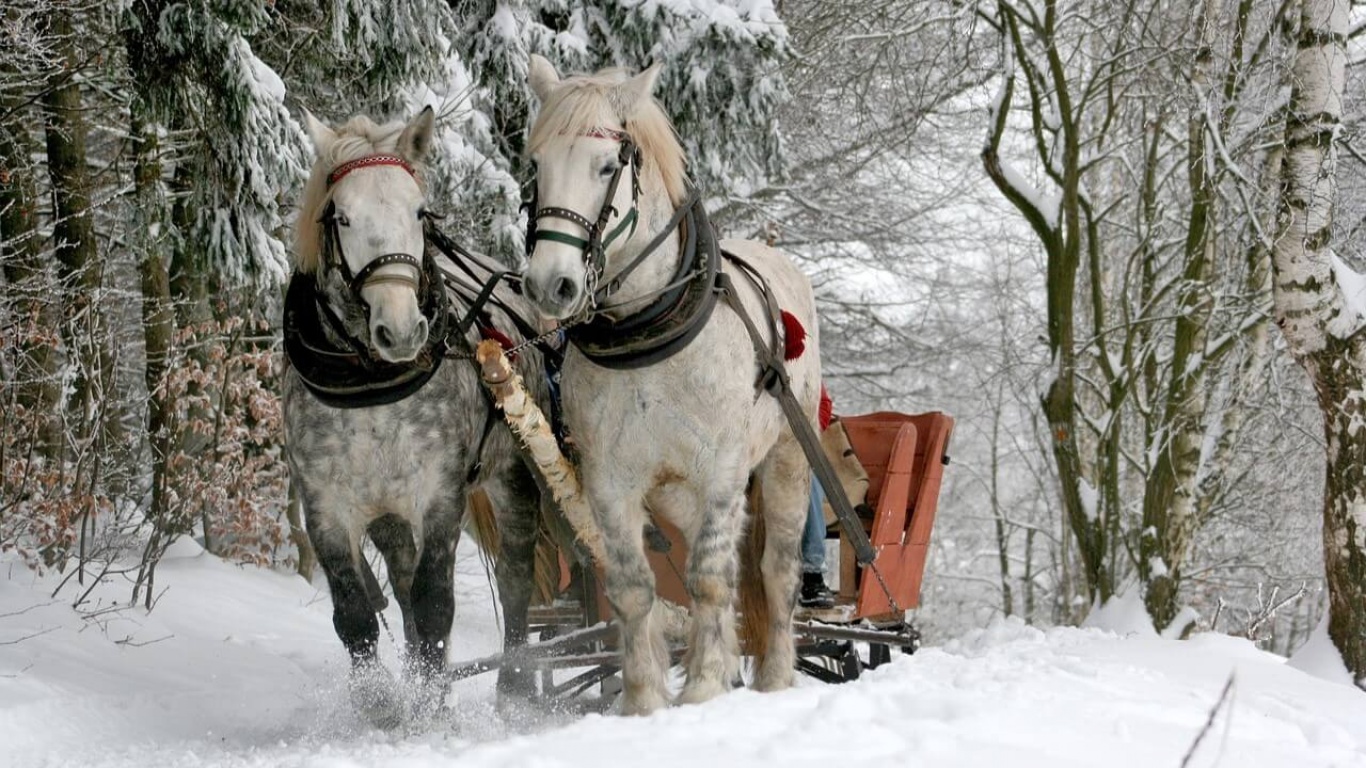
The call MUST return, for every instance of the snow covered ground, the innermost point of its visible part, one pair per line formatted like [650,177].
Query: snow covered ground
[239,667]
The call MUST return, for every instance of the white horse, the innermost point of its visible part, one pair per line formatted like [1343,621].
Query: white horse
[666,415]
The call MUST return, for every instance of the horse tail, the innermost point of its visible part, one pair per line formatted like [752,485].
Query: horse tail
[754,609]
[545,569]
[483,524]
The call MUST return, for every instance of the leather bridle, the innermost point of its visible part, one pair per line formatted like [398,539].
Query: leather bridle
[593,248]
[332,249]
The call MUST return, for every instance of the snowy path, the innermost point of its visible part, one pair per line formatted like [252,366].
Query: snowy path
[240,668]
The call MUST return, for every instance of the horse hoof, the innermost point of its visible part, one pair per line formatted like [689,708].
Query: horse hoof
[696,693]
[775,682]
[642,703]
[516,684]
[374,694]
[427,697]
[518,711]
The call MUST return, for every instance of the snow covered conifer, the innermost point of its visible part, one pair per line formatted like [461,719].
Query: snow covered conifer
[245,149]
[719,84]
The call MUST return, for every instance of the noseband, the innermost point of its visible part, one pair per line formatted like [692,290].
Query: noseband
[594,247]
[332,249]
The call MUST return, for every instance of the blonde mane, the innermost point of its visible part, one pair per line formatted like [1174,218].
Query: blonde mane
[582,103]
[360,136]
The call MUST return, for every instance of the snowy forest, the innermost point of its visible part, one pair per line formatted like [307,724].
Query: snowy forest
[1122,243]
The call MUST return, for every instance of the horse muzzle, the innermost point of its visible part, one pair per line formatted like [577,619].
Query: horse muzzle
[398,329]
[556,295]
[398,346]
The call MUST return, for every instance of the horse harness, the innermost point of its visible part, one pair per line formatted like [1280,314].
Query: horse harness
[340,371]
[336,367]
[595,246]
[679,311]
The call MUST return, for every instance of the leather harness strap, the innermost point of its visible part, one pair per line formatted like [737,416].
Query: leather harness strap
[774,379]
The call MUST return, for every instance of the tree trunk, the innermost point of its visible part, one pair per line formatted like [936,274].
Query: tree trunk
[997,513]
[158,318]
[1169,500]
[1062,241]
[73,233]
[38,388]
[1324,332]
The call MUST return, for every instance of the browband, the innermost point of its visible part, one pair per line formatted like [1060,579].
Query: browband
[367,162]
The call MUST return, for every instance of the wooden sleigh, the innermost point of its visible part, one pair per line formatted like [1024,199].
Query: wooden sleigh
[904,456]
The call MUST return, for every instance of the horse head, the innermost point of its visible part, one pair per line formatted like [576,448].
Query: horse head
[361,230]
[607,159]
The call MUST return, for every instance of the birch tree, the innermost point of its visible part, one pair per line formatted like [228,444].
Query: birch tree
[1318,306]
[1138,193]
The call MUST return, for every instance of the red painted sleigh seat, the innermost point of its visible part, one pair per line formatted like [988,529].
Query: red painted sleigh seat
[904,455]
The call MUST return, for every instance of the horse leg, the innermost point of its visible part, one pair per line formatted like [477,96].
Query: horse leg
[517,500]
[433,597]
[393,537]
[630,588]
[353,617]
[713,652]
[783,478]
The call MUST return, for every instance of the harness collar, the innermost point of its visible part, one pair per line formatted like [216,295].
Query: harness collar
[674,317]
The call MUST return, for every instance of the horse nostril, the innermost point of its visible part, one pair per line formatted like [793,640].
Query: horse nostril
[420,331]
[383,336]
[565,289]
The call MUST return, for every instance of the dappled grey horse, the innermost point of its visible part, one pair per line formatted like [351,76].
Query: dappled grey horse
[386,436]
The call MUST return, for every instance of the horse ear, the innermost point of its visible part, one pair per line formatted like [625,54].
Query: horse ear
[632,93]
[541,76]
[416,139]
[319,133]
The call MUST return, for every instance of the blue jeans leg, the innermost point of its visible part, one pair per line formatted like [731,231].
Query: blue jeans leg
[813,536]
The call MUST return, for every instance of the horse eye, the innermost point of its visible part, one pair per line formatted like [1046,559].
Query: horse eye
[422,213]
[848,452]
[341,220]
[608,170]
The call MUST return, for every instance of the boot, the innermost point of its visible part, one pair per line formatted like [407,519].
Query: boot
[814,592]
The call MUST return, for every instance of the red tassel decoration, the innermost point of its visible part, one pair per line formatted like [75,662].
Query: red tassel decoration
[493,334]
[794,337]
